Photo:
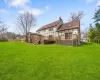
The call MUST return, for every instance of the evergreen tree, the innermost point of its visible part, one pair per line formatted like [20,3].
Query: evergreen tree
[94,33]
[91,33]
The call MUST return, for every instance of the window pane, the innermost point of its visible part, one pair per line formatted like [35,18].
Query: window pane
[50,29]
[66,35]
[70,35]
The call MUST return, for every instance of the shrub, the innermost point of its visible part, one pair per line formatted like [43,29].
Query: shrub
[3,40]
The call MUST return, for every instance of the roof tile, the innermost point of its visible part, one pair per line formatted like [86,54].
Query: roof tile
[49,25]
[70,25]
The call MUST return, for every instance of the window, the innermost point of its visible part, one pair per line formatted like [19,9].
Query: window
[44,30]
[68,35]
[50,29]
[38,32]
[50,37]
[69,25]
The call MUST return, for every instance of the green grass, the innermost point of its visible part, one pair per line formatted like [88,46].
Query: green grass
[21,61]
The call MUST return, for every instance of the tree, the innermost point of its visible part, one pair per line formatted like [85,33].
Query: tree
[76,16]
[3,30]
[11,35]
[91,33]
[97,16]
[25,22]
[94,33]
[2,25]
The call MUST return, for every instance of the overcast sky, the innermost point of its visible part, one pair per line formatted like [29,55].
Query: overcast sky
[47,11]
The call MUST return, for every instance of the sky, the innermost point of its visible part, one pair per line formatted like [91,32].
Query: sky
[47,11]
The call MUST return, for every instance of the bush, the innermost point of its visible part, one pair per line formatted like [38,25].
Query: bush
[97,39]
[4,40]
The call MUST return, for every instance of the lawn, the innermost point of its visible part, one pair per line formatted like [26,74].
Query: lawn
[21,61]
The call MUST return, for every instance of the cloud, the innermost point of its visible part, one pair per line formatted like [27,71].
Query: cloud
[90,1]
[3,11]
[98,3]
[93,1]
[17,3]
[23,6]
[34,11]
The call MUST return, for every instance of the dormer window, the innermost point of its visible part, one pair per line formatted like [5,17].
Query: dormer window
[50,29]
[44,30]
[39,32]
[69,25]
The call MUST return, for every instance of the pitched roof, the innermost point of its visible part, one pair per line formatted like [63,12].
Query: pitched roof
[33,34]
[70,25]
[49,25]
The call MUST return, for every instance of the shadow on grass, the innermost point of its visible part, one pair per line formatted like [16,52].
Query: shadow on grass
[86,43]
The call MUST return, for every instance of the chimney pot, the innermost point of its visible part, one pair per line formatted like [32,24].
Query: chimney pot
[60,18]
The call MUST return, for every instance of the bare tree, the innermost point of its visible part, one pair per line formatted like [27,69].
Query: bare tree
[25,22]
[3,31]
[76,16]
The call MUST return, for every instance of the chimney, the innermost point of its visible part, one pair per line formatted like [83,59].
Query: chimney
[60,18]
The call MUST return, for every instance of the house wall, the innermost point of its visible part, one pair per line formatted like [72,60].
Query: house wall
[70,42]
[46,32]
[61,34]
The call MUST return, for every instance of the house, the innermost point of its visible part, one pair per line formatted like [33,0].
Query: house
[63,33]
